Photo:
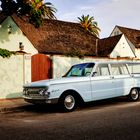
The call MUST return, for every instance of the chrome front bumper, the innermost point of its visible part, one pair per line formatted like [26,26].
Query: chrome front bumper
[40,100]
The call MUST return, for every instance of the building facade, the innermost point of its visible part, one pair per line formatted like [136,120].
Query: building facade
[49,51]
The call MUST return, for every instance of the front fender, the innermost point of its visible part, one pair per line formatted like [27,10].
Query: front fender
[82,88]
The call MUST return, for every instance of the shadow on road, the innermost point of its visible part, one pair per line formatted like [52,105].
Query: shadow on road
[95,105]
[106,102]
[43,109]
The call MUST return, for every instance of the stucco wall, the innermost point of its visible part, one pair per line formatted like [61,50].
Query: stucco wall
[16,70]
[11,76]
[11,41]
[137,51]
[62,64]
[27,68]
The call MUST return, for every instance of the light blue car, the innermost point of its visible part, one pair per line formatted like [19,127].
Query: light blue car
[87,82]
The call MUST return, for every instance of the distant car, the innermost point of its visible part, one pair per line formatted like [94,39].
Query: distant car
[87,82]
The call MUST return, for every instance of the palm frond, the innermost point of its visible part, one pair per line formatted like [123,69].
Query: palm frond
[89,24]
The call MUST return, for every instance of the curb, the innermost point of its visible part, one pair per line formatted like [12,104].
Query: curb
[4,110]
[11,105]
[13,109]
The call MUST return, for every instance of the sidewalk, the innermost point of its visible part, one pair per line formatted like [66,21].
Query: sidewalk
[7,105]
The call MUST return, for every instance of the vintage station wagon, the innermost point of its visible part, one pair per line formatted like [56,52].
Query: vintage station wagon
[87,82]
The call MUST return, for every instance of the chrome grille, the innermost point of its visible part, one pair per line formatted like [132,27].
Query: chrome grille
[33,93]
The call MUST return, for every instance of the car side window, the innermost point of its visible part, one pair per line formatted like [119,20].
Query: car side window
[115,69]
[134,68]
[124,69]
[88,69]
[119,69]
[103,70]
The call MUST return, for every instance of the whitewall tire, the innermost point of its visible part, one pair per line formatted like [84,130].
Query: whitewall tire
[134,94]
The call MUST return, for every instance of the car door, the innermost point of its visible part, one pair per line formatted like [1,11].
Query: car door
[102,83]
[122,79]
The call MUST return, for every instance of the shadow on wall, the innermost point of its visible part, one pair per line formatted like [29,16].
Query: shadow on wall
[8,28]
[14,95]
[115,54]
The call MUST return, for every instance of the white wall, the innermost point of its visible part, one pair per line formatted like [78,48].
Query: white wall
[11,76]
[11,41]
[16,70]
[116,31]
[123,49]
[27,68]
[61,64]
[137,51]
[14,73]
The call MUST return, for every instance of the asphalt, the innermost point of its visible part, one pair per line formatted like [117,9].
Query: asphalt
[7,105]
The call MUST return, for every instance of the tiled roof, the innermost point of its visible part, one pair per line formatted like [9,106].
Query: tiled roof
[58,37]
[2,17]
[106,45]
[132,34]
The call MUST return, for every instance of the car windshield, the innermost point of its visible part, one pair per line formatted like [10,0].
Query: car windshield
[80,70]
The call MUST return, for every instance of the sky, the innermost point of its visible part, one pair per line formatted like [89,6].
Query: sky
[107,13]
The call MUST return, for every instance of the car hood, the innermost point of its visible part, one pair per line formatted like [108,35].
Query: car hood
[64,80]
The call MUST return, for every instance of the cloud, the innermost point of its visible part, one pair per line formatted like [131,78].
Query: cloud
[107,13]
[67,16]
[118,12]
[85,8]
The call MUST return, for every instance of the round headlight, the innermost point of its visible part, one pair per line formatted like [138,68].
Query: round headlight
[25,91]
[41,92]
[44,92]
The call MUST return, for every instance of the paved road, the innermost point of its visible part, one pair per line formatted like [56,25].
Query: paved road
[114,119]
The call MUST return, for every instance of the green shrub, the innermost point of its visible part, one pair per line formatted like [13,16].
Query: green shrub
[5,53]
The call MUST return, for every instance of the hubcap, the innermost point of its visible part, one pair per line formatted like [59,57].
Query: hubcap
[69,102]
[134,94]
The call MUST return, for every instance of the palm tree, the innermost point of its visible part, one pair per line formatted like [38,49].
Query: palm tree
[35,10]
[46,9]
[89,24]
[40,11]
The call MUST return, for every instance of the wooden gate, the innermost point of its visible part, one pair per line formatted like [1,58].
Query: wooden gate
[41,67]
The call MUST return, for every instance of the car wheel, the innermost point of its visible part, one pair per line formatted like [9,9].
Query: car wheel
[68,102]
[134,94]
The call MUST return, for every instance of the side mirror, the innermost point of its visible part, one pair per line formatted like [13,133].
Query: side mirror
[94,73]
[87,73]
